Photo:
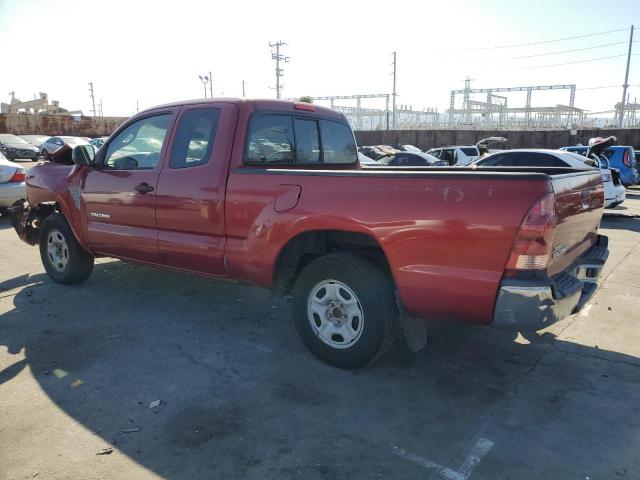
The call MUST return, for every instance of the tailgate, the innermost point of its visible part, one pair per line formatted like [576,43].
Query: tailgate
[579,206]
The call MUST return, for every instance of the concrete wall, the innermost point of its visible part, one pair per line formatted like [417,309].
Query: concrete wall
[58,125]
[425,139]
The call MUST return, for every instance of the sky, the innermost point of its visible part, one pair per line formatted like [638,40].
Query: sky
[144,53]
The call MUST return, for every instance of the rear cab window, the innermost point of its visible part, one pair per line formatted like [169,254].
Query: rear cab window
[194,138]
[286,139]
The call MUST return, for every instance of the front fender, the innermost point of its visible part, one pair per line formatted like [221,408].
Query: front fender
[60,185]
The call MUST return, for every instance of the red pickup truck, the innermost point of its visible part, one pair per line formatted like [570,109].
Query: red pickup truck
[271,193]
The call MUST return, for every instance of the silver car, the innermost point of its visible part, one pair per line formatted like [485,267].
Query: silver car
[54,144]
[12,183]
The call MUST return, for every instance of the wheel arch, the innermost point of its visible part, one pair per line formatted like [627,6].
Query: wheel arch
[305,246]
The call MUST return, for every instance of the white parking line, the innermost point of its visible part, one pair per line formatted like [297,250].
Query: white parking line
[480,449]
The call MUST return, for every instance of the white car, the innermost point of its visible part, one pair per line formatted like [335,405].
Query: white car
[614,194]
[456,155]
[12,183]
[462,155]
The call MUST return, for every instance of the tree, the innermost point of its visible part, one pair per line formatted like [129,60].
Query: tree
[305,99]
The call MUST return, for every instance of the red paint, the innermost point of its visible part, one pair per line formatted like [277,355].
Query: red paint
[446,235]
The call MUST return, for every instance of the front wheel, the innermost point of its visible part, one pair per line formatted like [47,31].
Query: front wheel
[344,310]
[62,256]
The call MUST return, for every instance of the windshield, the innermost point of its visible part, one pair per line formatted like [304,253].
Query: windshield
[8,138]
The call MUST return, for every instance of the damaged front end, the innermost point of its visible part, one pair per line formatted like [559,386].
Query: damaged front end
[27,220]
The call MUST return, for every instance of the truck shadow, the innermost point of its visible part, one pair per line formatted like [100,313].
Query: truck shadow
[240,396]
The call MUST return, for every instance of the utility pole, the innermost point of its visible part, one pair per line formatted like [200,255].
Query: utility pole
[394,92]
[204,79]
[210,85]
[100,108]
[242,88]
[93,99]
[277,56]
[626,82]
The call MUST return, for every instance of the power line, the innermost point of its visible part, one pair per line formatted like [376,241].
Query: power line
[606,86]
[561,64]
[532,43]
[545,54]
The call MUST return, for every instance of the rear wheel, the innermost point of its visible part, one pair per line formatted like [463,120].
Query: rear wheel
[62,256]
[344,310]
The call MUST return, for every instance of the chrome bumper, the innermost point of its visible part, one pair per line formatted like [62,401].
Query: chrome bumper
[525,305]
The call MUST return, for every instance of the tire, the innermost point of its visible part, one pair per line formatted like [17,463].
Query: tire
[63,258]
[34,159]
[369,322]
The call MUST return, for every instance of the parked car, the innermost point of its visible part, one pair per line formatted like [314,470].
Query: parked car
[53,144]
[412,159]
[366,161]
[409,148]
[35,140]
[15,148]
[98,142]
[306,223]
[484,144]
[12,183]
[622,158]
[374,152]
[614,193]
[456,155]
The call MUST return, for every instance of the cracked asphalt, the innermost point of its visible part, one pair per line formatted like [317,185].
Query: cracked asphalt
[242,398]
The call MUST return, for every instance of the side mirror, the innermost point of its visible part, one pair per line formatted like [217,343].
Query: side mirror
[83,154]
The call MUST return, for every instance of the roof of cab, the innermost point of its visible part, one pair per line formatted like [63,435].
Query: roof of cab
[257,104]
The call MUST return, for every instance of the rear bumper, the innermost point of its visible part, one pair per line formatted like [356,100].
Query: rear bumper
[526,305]
[618,195]
[11,192]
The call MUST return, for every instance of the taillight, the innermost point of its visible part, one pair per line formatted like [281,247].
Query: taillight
[19,176]
[625,158]
[533,246]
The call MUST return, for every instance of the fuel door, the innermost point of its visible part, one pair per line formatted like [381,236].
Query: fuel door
[287,197]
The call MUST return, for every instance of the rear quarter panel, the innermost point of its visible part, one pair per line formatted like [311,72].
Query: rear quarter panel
[447,238]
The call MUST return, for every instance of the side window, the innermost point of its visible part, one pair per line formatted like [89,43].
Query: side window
[495,160]
[270,140]
[533,159]
[448,156]
[138,146]
[435,153]
[307,141]
[401,160]
[194,138]
[338,143]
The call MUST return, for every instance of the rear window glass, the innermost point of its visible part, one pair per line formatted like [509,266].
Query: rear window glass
[195,137]
[470,151]
[308,142]
[522,159]
[271,140]
[338,143]
[285,139]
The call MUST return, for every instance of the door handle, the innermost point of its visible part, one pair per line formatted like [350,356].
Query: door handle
[144,188]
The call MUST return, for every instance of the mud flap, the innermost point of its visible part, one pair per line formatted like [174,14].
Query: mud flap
[415,329]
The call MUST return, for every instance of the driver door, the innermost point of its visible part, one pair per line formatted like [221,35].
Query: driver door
[119,194]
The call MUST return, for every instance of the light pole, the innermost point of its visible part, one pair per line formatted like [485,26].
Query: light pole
[204,79]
